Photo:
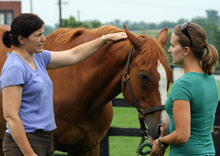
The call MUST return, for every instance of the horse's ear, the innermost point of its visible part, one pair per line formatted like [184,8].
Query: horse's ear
[162,37]
[135,42]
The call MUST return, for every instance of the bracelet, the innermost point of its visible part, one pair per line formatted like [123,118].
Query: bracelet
[104,39]
[161,144]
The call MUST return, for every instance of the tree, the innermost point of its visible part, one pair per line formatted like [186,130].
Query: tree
[181,21]
[48,29]
[95,24]
[92,24]
[71,22]
[213,16]
[167,24]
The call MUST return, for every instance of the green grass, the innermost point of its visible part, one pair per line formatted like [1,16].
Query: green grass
[151,32]
[120,145]
[126,117]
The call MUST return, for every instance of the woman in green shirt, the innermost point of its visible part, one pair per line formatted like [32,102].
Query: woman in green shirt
[192,103]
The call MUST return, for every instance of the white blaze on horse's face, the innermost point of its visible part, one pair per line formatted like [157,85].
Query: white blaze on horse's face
[163,91]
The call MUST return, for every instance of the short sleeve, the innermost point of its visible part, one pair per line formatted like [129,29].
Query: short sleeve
[12,75]
[44,57]
[181,91]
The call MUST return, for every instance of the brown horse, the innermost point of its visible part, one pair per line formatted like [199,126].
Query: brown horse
[82,92]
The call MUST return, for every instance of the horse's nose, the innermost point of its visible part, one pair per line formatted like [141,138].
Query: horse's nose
[164,126]
[158,129]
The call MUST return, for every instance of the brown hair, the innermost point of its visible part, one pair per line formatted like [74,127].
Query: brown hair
[24,25]
[204,52]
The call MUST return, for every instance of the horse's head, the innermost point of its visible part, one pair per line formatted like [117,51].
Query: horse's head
[147,78]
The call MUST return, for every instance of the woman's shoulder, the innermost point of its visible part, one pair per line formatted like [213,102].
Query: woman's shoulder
[193,79]
[13,61]
[193,76]
[42,54]
[184,81]
[43,57]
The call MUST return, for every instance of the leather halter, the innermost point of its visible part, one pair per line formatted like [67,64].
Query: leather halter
[141,112]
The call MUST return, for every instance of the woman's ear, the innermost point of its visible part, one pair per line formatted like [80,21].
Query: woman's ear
[21,39]
[186,51]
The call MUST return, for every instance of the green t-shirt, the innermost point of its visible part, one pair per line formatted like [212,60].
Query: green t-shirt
[201,91]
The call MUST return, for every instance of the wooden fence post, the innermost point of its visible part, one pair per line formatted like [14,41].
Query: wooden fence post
[104,146]
[216,132]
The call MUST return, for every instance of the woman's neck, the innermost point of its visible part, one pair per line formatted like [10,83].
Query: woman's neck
[192,66]
[24,54]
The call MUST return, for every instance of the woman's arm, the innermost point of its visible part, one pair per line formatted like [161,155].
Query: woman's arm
[81,52]
[182,119]
[11,104]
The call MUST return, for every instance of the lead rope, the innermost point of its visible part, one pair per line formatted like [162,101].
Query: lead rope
[141,147]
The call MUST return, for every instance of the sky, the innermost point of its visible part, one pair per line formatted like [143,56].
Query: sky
[148,11]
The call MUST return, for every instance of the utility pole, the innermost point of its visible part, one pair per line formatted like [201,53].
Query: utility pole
[31,8]
[78,15]
[60,12]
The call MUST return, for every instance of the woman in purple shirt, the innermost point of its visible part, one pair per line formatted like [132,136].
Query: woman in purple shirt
[29,114]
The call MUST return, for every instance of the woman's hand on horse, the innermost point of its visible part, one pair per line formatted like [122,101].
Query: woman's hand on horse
[116,36]
[157,150]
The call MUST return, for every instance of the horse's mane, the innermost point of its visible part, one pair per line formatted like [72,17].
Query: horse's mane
[154,52]
[64,35]
[107,29]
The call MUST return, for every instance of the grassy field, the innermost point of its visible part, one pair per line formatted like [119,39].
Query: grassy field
[151,32]
[125,146]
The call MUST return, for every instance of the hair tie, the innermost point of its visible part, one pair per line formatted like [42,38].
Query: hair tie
[205,51]
[8,33]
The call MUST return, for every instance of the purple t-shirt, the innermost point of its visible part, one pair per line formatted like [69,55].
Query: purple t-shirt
[36,111]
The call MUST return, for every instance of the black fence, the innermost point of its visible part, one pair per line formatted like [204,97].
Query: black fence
[116,131]
[216,132]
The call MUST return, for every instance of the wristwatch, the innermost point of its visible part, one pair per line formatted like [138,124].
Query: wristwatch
[104,39]
[161,144]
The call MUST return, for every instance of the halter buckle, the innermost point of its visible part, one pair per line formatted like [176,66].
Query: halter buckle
[126,77]
[140,114]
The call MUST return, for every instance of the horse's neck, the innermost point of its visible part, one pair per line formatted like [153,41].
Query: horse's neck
[107,74]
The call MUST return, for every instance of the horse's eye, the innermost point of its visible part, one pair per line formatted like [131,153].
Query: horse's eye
[143,76]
